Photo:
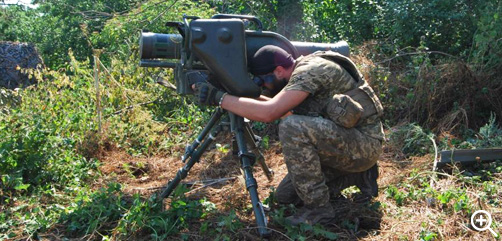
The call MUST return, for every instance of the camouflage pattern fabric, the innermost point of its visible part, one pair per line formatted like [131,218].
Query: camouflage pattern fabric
[314,146]
[323,79]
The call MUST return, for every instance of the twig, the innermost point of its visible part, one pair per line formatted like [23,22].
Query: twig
[212,183]
[207,183]
[210,180]
[114,80]
[109,74]
[166,84]
[148,188]
[162,13]
[96,83]
[433,179]
[417,53]
[130,107]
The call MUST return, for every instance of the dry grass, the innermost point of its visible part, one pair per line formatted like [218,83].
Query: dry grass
[384,218]
[410,220]
[439,91]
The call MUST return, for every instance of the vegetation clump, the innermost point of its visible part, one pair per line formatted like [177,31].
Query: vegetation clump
[67,172]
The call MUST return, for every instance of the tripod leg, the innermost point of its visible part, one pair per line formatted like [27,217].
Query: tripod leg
[250,137]
[215,117]
[194,158]
[247,161]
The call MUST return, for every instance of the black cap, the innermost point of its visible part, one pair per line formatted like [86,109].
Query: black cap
[267,58]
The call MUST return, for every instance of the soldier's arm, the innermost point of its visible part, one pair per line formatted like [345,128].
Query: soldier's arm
[264,111]
[264,98]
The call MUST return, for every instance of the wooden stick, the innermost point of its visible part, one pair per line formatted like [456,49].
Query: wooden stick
[96,84]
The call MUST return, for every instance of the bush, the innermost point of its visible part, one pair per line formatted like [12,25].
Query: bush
[411,139]
[38,136]
[108,212]
[442,25]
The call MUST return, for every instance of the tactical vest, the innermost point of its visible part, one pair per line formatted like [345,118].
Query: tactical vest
[354,106]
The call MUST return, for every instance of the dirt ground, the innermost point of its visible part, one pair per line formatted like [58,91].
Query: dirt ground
[146,175]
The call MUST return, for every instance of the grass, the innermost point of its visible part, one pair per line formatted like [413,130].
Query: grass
[408,206]
[443,209]
[61,177]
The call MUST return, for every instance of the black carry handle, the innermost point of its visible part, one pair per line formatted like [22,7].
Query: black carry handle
[253,19]
[178,25]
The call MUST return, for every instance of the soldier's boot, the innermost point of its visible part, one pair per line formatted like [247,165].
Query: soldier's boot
[313,215]
[366,181]
[286,193]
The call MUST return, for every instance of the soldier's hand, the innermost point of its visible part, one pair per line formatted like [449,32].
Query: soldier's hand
[207,94]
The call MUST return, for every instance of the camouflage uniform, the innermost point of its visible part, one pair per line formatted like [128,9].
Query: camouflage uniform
[317,150]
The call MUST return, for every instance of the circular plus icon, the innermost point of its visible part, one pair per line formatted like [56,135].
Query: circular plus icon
[481,220]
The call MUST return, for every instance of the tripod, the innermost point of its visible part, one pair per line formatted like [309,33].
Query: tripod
[242,135]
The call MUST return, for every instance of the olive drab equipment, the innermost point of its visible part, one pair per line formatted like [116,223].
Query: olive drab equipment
[222,46]
[217,50]
[352,107]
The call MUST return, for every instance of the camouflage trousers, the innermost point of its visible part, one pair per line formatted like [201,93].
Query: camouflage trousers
[317,151]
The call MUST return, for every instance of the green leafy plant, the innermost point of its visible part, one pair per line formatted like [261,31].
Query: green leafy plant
[411,139]
[394,193]
[302,231]
[490,135]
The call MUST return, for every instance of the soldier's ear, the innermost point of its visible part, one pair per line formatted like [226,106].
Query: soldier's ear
[279,72]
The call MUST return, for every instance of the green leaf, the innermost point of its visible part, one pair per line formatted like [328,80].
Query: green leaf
[22,187]
[325,233]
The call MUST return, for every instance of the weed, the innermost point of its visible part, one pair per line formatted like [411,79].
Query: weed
[302,231]
[426,235]
[229,222]
[223,148]
[411,139]
[96,212]
[490,135]
[265,142]
[395,194]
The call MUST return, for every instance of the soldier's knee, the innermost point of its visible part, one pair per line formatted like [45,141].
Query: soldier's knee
[288,122]
[289,126]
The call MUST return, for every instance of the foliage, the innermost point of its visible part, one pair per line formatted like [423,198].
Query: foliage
[302,231]
[110,213]
[486,53]
[39,136]
[487,45]
[50,142]
[443,94]
[453,195]
[8,99]
[283,17]
[119,35]
[17,23]
[351,20]
[57,26]
[411,139]
[442,25]
[94,212]
[488,136]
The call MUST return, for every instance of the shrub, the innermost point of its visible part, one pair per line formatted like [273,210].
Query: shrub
[411,139]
